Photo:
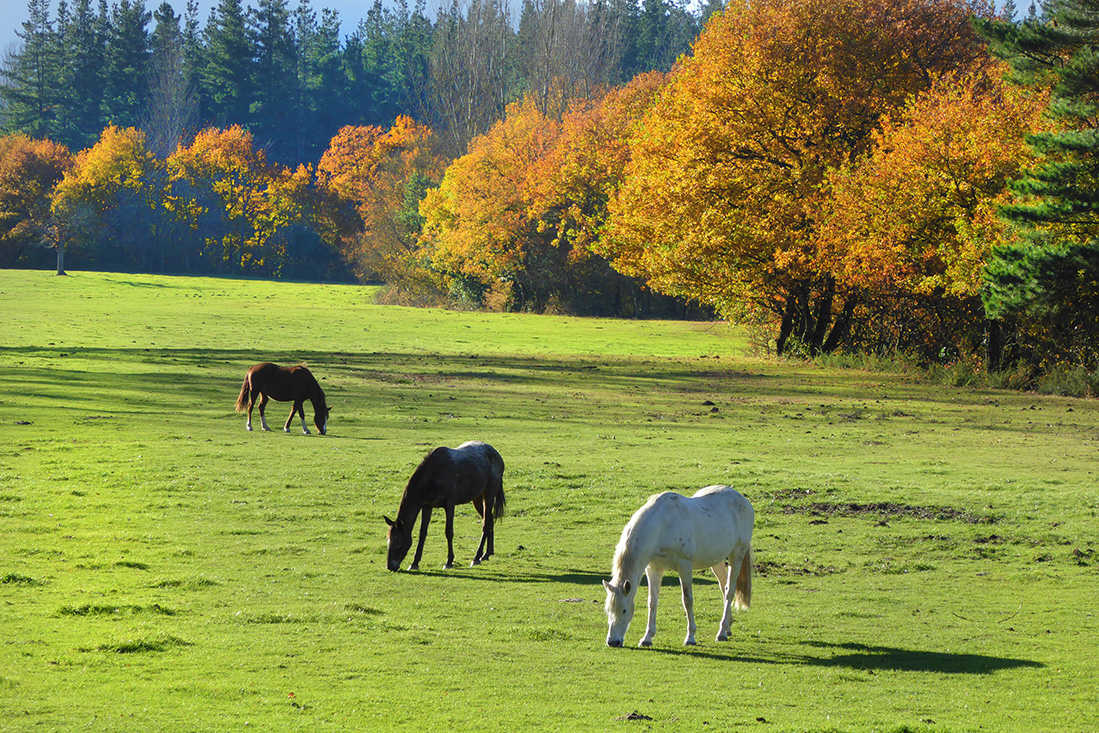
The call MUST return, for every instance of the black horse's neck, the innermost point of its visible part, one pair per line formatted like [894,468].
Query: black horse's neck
[412,500]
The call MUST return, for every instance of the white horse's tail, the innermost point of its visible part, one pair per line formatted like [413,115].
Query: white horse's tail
[742,600]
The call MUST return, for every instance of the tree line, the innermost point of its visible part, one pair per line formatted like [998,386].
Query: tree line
[876,176]
[292,75]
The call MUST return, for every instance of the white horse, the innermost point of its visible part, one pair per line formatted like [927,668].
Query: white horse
[711,529]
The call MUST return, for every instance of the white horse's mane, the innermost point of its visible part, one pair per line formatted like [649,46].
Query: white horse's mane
[627,554]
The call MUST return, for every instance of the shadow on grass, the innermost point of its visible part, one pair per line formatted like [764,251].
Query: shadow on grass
[852,655]
[569,576]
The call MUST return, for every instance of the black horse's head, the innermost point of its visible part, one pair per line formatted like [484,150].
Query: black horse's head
[399,540]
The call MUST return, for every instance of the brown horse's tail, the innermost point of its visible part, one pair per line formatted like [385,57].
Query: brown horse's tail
[743,597]
[245,389]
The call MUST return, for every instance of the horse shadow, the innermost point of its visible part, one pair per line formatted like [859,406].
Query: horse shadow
[872,658]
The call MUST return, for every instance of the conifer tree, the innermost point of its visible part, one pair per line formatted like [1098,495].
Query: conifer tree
[127,63]
[227,84]
[1050,273]
[30,88]
[274,77]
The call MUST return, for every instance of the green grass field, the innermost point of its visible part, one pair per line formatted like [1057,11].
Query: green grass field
[926,557]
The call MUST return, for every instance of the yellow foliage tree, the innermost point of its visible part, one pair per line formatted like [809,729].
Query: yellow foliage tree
[728,173]
[479,233]
[111,200]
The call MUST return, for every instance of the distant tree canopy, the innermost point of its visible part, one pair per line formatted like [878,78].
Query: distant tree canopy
[292,76]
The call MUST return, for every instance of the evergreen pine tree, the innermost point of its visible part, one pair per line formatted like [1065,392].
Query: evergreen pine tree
[1050,273]
[30,76]
[274,77]
[127,63]
[227,69]
[82,76]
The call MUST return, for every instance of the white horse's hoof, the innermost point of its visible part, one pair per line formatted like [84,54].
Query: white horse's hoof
[286,430]
[248,428]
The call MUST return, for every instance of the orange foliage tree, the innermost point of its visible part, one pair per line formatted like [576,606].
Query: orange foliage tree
[251,214]
[911,224]
[728,173]
[384,173]
[479,234]
[29,171]
[111,201]
[572,183]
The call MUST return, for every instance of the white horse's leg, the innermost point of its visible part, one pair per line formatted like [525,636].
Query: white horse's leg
[685,579]
[654,577]
[726,582]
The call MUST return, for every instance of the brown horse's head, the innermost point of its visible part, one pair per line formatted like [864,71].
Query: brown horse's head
[320,416]
[399,540]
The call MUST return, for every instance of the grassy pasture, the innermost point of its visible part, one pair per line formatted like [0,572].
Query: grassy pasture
[926,557]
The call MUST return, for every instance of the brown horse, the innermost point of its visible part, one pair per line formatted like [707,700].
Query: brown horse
[285,384]
[472,472]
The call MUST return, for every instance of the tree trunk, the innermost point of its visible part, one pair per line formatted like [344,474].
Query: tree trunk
[60,260]
[787,324]
[823,316]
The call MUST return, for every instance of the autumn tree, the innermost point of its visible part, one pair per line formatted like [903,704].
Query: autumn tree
[385,174]
[572,183]
[478,229]
[219,186]
[911,224]
[111,202]
[722,198]
[29,171]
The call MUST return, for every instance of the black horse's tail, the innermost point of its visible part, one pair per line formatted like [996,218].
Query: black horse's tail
[498,503]
[245,389]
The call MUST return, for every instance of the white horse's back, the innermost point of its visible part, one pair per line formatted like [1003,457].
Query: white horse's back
[703,529]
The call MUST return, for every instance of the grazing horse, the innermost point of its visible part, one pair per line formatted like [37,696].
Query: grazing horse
[711,529]
[285,384]
[472,472]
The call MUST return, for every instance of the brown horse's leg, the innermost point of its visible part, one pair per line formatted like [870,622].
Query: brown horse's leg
[425,518]
[262,407]
[297,408]
[449,509]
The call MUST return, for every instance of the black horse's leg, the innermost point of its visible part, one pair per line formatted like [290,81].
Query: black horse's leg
[449,509]
[425,517]
[262,407]
[485,510]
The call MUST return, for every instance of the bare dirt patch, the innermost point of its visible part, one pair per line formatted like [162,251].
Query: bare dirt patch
[882,509]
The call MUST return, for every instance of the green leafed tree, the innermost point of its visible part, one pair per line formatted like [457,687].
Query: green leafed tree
[1048,276]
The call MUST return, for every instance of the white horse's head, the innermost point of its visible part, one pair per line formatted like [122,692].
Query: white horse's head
[619,605]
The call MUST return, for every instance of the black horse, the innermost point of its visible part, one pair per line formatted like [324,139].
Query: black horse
[472,472]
